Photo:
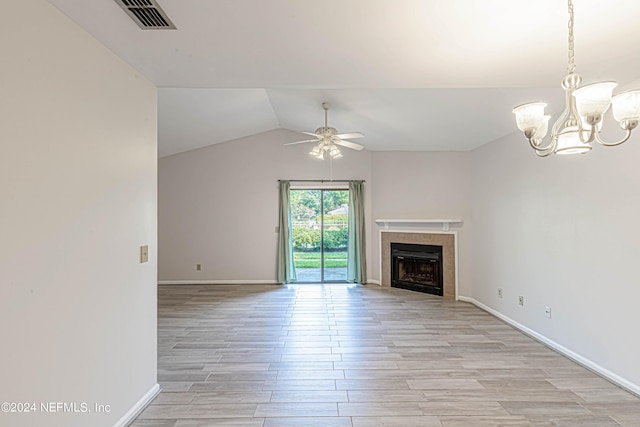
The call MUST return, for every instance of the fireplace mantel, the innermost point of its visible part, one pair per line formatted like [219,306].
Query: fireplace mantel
[445,222]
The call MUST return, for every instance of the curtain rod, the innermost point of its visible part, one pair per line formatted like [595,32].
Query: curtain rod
[320,180]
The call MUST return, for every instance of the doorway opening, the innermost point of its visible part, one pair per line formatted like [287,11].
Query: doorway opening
[320,231]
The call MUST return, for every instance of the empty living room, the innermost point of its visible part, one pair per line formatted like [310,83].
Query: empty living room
[335,214]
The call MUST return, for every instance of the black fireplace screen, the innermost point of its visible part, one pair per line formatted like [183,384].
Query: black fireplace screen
[417,267]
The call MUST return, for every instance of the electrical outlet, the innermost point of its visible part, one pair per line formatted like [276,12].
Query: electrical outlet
[198,267]
[277,229]
[499,292]
[547,312]
[521,300]
[144,254]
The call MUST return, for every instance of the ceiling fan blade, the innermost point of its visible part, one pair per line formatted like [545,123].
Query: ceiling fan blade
[348,144]
[313,134]
[351,135]
[300,142]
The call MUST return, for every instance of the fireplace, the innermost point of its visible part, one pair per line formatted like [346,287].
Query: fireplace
[417,267]
[448,262]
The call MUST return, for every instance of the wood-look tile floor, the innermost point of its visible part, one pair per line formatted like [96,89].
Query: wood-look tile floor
[361,356]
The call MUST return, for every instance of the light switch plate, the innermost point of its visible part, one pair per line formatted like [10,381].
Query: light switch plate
[144,254]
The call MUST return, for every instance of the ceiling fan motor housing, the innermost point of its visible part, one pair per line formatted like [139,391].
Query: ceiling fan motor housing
[326,132]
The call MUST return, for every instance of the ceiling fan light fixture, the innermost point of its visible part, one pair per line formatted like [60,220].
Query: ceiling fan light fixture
[581,121]
[334,152]
[317,152]
[327,138]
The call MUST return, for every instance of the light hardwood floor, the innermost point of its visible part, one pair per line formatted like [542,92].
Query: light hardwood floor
[361,356]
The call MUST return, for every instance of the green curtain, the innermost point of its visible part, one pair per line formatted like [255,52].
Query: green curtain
[356,256]
[286,269]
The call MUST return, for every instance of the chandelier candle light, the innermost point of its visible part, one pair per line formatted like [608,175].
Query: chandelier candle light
[581,121]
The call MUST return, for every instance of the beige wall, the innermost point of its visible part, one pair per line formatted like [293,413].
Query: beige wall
[218,206]
[562,232]
[78,191]
[221,201]
[424,185]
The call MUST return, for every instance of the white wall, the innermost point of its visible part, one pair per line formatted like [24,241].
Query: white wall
[424,185]
[78,190]
[562,232]
[218,206]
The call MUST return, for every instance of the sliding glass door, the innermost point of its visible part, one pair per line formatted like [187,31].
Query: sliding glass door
[320,234]
[335,234]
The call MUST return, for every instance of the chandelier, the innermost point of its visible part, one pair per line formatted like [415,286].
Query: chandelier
[581,121]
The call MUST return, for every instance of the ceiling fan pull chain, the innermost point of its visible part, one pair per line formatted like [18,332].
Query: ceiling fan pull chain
[330,168]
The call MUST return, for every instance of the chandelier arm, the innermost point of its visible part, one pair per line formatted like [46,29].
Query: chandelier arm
[547,154]
[612,144]
[555,130]
[574,118]
[560,123]
[538,149]
[593,134]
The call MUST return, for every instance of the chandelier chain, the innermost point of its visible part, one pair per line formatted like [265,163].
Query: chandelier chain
[572,65]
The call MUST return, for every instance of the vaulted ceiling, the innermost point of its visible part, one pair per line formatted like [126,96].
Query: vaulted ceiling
[409,74]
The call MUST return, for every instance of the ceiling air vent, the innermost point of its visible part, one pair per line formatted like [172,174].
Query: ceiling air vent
[147,14]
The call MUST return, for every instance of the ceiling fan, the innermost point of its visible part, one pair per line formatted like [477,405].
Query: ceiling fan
[327,138]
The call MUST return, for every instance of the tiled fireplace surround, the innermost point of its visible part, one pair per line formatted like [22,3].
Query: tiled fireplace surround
[446,240]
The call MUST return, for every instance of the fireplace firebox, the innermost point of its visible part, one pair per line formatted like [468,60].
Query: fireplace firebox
[417,267]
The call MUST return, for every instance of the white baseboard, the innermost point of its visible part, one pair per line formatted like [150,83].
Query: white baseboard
[138,407]
[218,282]
[589,364]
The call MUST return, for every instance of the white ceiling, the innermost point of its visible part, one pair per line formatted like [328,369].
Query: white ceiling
[409,74]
